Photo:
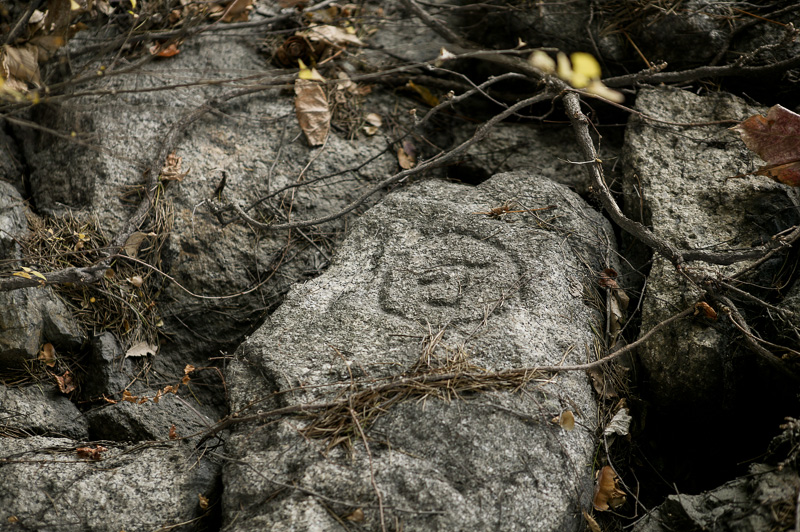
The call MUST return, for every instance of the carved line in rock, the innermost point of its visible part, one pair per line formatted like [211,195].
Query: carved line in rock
[468,273]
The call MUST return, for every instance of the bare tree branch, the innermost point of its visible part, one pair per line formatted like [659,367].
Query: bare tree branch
[434,162]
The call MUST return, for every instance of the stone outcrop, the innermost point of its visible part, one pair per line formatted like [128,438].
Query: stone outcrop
[428,283]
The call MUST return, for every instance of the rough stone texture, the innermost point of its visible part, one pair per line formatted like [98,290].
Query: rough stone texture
[508,294]
[675,183]
[131,421]
[31,316]
[542,151]
[255,140]
[111,371]
[39,410]
[765,499]
[585,26]
[47,486]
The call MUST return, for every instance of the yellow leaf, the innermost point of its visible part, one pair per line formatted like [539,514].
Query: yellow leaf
[564,68]
[596,87]
[429,98]
[542,61]
[585,68]
[22,274]
[203,501]
[74,6]
[308,73]
[133,4]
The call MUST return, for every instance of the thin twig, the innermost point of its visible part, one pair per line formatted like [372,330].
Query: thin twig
[520,374]
[371,469]
[752,341]
[434,162]
[704,72]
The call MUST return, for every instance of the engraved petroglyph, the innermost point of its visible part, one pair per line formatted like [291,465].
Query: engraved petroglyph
[455,286]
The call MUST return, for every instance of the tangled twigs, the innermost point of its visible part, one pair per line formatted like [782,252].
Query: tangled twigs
[676,256]
[694,74]
[328,416]
[752,341]
[433,162]
[92,274]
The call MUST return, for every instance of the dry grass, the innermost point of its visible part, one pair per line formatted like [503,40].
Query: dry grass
[446,376]
[116,304]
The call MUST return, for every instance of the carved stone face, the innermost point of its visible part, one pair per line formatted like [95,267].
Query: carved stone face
[459,285]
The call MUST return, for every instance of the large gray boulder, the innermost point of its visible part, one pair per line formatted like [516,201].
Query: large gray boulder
[40,410]
[761,500]
[49,485]
[425,284]
[254,140]
[675,183]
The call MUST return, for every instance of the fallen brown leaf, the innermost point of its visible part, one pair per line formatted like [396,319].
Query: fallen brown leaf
[311,107]
[65,383]
[91,452]
[607,493]
[48,355]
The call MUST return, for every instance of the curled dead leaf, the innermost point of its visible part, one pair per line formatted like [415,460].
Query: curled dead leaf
[604,387]
[131,247]
[311,107]
[20,66]
[48,355]
[607,278]
[141,349]
[65,383]
[565,419]
[202,501]
[619,424]
[95,453]
[173,434]
[405,160]
[607,493]
[129,397]
[160,50]
[237,11]
[136,281]
[356,516]
[332,35]
[707,310]
[776,139]
[375,122]
[172,169]
[593,525]
[188,369]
